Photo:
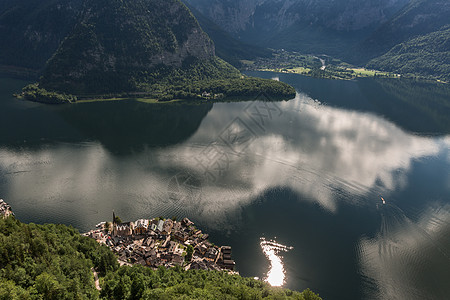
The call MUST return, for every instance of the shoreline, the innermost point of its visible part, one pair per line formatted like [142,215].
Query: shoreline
[173,101]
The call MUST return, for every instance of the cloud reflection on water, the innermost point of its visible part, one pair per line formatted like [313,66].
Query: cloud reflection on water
[408,260]
[324,154]
[315,150]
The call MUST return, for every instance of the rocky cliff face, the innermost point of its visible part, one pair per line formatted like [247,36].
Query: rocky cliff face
[117,40]
[233,16]
[304,25]
[241,15]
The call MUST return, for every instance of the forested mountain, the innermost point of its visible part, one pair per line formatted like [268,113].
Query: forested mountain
[319,26]
[354,31]
[426,55]
[419,17]
[155,48]
[31,31]
[98,47]
[118,45]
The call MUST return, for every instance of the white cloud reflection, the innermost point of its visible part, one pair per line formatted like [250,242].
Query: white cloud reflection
[312,149]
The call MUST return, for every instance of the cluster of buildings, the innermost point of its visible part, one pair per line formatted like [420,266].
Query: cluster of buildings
[162,242]
[5,209]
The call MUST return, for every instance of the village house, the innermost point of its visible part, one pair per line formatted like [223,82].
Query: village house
[160,225]
[167,227]
[141,226]
[176,227]
[177,259]
[229,264]
[181,236]
[96,234]
[123,229]
[149,242]
[173,246]
[211,254]
[198,265]
[186,222]
[201,248]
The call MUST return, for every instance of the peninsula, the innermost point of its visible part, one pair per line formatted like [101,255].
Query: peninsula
[162,242]
[152,49]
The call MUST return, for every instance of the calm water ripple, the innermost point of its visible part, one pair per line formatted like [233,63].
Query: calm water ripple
[311,175]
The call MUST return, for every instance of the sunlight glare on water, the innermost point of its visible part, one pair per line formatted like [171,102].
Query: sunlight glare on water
[276,273]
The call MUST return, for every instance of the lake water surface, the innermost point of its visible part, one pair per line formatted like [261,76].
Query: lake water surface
[294,187]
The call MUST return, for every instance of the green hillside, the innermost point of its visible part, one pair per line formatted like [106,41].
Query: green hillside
[54,262]
[427,55]
[49,262]
[418,18]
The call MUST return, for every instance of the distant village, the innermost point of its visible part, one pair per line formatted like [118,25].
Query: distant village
[162,242]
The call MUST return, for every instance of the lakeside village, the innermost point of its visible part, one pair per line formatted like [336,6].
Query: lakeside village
[162,242]
[157,242]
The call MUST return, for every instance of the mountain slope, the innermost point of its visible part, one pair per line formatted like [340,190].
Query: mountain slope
[302,25]
[228,48]
[427,55]
[418,18]
[121,45]
[155,48]
[31,31]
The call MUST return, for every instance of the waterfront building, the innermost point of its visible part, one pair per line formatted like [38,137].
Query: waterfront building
[123,229]
[141,226]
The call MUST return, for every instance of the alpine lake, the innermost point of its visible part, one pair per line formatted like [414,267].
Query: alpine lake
[344,190]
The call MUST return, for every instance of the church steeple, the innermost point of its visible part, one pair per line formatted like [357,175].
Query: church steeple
[114,218]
